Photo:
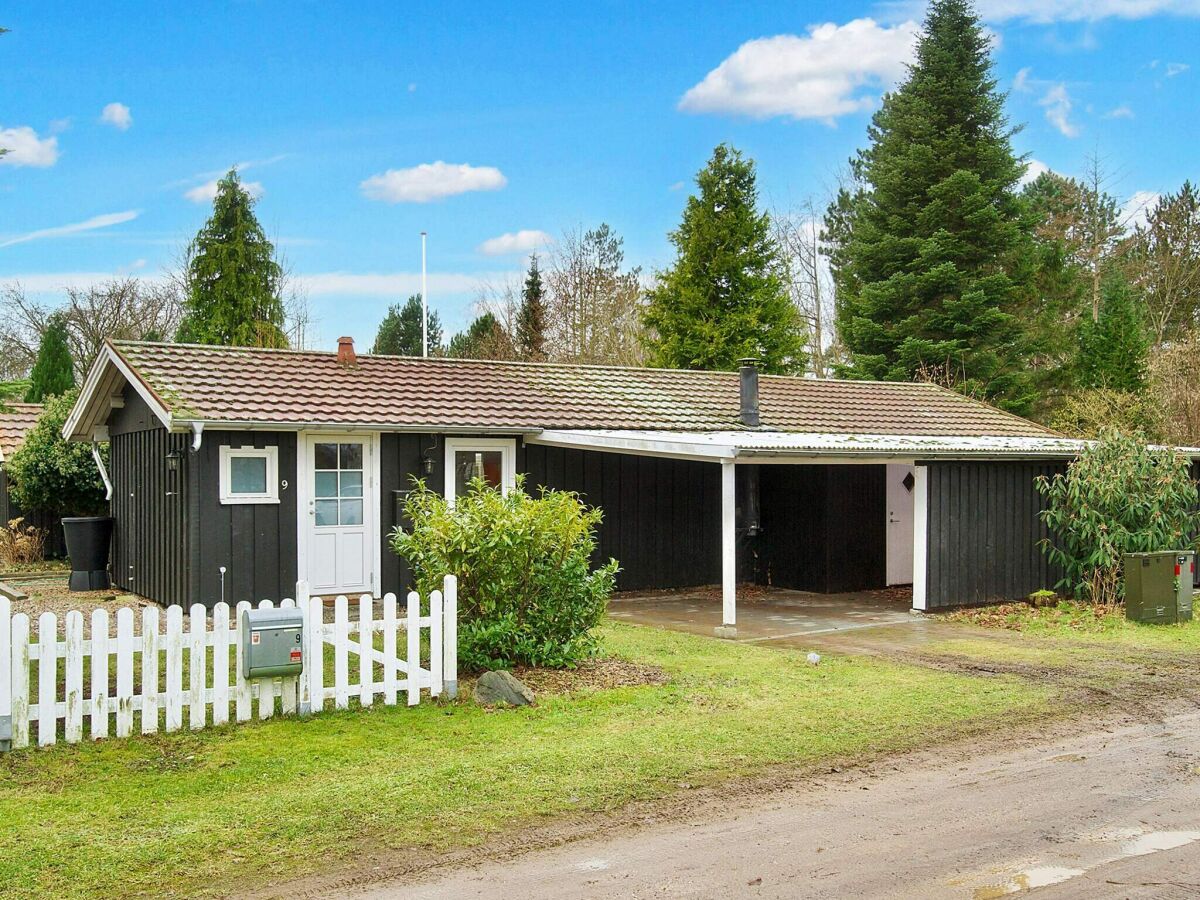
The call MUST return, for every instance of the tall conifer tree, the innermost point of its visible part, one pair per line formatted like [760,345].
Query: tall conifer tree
[531,317]
[234,282]
[400,331]
[926,272]
[1113,349]
[53,371]
[723,299]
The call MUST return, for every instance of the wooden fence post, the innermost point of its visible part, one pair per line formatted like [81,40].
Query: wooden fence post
[99,673]
[19,681]
[47,679]
[150,668]
[450,635]
[305,686]
[316,653]
[413,659]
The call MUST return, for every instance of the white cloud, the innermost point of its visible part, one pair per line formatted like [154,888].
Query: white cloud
[105,221]
[394,284]
[1137,208]
[205,193]
[834,70]
[1057,103]
[1021,80]
[431,181]
[25,148]
[1174,69]
[515,242]
[1033,169]
[117,115]
[1124,111]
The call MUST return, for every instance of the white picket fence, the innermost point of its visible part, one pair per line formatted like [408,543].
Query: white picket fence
[62,696]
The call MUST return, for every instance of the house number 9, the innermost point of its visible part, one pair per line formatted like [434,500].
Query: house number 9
[283,484]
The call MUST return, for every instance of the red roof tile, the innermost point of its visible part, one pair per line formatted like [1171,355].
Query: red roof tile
[299,387]
[15,421]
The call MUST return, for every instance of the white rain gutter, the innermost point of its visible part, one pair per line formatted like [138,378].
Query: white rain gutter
[108,488]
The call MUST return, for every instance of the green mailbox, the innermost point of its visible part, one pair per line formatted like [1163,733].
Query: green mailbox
[1158,587]
[272,642]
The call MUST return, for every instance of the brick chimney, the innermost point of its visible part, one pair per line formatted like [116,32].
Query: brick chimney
[346,354]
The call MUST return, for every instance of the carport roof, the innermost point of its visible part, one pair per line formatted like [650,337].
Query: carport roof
[767,445]
[187,385]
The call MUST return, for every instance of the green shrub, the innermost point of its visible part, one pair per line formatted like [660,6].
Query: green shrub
[1120,496]
[527,594]
[50,474]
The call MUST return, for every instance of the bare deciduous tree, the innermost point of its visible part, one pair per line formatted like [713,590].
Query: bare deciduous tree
[1163,259]
[121,309]
[806,274]
[594,305]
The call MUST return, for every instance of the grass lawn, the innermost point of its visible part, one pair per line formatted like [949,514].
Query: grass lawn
[214,811]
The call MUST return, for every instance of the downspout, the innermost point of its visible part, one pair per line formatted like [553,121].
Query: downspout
[108,488]
[197,435]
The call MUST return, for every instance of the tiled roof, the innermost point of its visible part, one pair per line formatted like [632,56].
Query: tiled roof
[295,387]
[15,421]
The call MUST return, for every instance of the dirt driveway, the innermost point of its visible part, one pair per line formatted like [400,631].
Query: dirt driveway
[1114,812]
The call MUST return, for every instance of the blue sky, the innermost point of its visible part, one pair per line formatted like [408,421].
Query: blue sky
[364,124]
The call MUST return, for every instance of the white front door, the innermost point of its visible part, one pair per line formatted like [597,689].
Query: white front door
[339,518]
[900,519]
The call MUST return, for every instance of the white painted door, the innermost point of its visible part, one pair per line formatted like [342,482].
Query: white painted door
[900,518]
[340,533]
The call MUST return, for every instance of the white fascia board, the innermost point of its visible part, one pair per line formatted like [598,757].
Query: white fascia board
[189,425]
[95,383]
[652,444]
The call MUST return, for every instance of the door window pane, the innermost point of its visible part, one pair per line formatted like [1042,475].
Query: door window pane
[352,512]
[351,484]
[327,512]
[248,475]
[471,464]
[326,456]
[327,484]
[352,456]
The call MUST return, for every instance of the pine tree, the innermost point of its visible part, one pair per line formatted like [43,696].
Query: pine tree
[531,317]
[485,338]
[723,299]
[926,273]
[53,371]
[234,282]
[1113,349]
[400,331]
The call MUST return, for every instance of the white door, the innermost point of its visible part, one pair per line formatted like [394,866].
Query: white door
[900,517]
[338,513]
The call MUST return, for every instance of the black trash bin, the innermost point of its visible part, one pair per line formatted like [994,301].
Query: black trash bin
[88,539]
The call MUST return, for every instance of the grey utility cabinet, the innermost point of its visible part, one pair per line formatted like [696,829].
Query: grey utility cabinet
[272,642]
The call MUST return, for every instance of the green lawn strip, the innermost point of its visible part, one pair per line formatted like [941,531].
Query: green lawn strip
[1084,623]
[212,811]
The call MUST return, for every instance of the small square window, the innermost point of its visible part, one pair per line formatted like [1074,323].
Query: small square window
[249,475]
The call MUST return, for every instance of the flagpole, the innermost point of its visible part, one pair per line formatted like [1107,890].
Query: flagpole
[424,303]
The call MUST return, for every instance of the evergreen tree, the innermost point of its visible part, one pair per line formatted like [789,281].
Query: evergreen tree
[400,331]
[723,299]
[931,235]
[234,283]
[485,338]
[53,371]
[1113,349]
[531,317]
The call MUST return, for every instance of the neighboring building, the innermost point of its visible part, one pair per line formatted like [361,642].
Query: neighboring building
[278,465]
[15,421]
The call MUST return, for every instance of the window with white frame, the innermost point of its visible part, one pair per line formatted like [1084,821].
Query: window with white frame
[492,459]
[249,474]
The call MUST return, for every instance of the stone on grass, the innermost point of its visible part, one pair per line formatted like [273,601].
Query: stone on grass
[501,688]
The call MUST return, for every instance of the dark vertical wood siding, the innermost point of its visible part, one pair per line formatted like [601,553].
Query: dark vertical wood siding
[662,517]
[824,528]
[400,461]
[255,542]
[985,532]
[150,508]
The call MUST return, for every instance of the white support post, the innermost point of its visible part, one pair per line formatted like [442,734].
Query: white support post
[728,627]
[920,536]
[450,635]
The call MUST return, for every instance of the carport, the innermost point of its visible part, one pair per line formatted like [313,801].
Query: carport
[955,516]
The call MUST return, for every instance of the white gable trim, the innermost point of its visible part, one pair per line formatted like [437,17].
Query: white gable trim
[99,380]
